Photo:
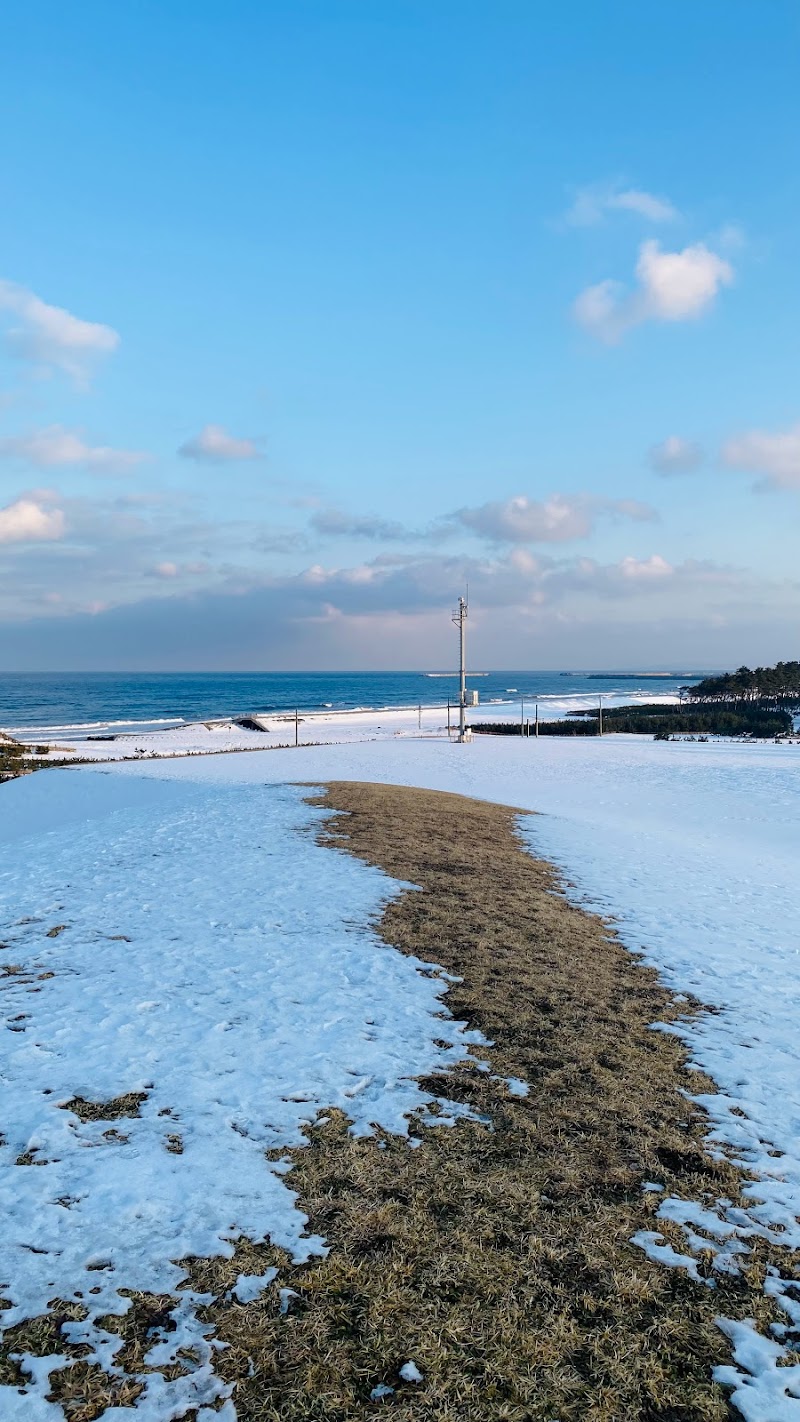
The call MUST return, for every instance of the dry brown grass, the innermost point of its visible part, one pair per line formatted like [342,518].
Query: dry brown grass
[496,1257]
[113,1110]
[499,1258]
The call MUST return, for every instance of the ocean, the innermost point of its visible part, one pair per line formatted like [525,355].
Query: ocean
[74,705]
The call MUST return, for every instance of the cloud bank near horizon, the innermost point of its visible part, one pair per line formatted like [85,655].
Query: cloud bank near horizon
[86,563]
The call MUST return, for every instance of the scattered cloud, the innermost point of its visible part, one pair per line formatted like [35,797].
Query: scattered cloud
[678,286]
[333,523]
[776,457]
[51,337]
[169,570]
[390,610]
[671,286]
[558,519]
[675,455]
[31,520]
[591,205]
[653,567]
[214,445]
[57,447]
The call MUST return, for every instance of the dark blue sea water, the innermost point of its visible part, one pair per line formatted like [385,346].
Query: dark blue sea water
[90,701]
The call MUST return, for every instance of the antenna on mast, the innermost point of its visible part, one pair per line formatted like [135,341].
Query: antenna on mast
[459,620]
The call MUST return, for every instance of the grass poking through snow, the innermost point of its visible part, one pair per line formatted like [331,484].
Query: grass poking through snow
[498,1258]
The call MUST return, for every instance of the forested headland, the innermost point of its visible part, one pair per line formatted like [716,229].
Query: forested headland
[768,686]
[746,702]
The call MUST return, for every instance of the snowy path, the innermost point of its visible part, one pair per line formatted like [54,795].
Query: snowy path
[206,951]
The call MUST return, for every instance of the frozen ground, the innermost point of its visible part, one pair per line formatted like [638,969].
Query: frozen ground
[193,943]
[692,847]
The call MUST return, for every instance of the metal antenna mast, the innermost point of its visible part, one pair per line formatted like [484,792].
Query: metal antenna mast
[459,619]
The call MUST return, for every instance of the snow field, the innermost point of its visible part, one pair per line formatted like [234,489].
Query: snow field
[200,947]
[693,849]
[325,727]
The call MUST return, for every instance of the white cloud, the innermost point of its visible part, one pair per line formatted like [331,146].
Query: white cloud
[646,568]
[57,447]
[679,286]
[214,445]
[675,455]
[555,520]
[30,520]
[775,456]
[592,204]
[52,337]
[524,520]
[672,286]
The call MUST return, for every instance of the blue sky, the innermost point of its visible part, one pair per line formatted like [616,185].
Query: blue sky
[313,311]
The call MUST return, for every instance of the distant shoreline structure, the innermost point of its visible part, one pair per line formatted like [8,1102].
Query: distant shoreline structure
[639,676]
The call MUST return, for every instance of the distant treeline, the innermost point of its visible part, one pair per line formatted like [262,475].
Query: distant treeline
[744,719]
[766,686]
[720,720]
[546,728]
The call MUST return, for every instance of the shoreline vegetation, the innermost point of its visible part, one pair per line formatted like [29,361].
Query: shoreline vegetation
[495,1255]
[17,759]
[658,720]
[760,704]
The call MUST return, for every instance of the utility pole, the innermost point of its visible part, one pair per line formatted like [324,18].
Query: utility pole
[459,620]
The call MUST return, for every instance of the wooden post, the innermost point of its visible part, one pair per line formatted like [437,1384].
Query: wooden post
[600,732]
[522,715]
[296,727]
[448,718]
[537,720]
[419,717]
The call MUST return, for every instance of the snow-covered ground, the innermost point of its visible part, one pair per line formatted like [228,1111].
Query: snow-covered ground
[692,847]
[110,741]
[193,943]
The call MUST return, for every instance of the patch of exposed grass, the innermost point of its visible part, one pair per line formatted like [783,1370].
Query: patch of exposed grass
[496,1257]
[113,1110]
[84,1391]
